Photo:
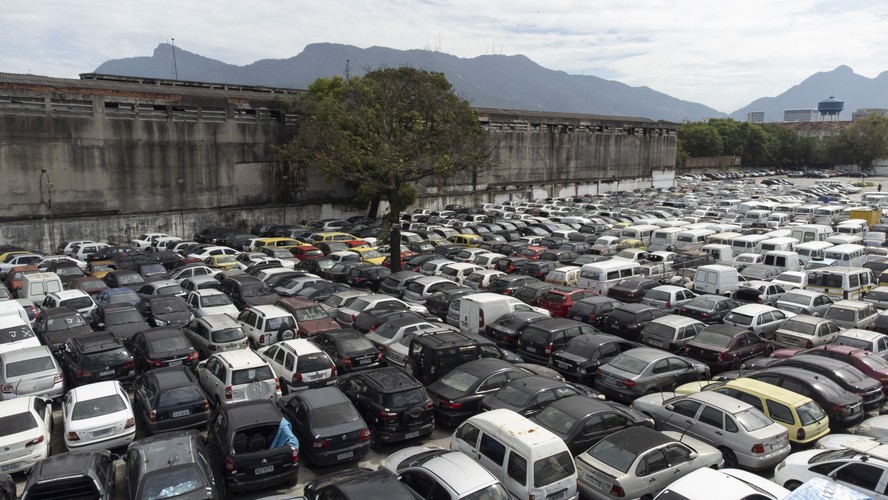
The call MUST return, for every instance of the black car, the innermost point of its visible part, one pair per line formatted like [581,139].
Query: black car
[175,462]
[168,399]
[582,421]
[438,302]
[242,439]
[152,271]
[349,349]
[537,341]
[7,487]
[328,426]
[123,320]
[708,308]
[506,329]
[368,276]
[78,474]
[161,347]
[395,283]
[456,395]
[529,395]
[165,310]
[844,408]
[124,278]
[430,357]
[632,290]
[845,375]
[322,290]
[338,272]
[530,292]
[416,262]
[563,257]
[511,264]
[358,484]
[509,284]
[538,268]
[582,355]
[394,404]
[368,321]
[448,251]
[315,266]
[246,291]
[593,310]
[55,325]
[67,271]
[96,357]
[627,320]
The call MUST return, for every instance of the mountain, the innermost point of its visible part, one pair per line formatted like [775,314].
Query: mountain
[842,83]
[489,81]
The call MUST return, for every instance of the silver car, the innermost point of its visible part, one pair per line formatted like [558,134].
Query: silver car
[450,474]
[645,370]
[640,462]
[30,371]
[215,333]
[671,332]
[746,437]
[805,302]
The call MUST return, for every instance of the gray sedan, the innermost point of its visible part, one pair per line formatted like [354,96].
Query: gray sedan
[646,370]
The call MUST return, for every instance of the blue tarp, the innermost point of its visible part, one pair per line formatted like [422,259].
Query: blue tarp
[285,436]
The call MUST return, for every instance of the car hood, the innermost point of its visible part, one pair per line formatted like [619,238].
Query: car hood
[127,330]
[317,326]
[651,403]
[446,392]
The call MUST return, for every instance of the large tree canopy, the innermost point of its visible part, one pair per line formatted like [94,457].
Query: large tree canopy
[385,132]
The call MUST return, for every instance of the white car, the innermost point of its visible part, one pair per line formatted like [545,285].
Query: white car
[15,334]
[450,474]
[861,470]
[205,252]
[865,339]
[207,302]
[145,240]
[731,484]
[78,300]
[98,416]
[266,324]
[25,430]
[299,364]
[240,375]
[760,319]
[192,271]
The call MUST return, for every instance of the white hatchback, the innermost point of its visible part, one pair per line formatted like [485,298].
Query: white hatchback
[25,429]
[98,417]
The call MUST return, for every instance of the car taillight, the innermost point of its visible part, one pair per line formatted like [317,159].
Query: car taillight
[379,357]
[35,442]
[592,317]
[333,371]
[6,389]
[354,318]
[130,422]
[229,467]
[212,347]
[192,357]
[347,362]
[297,378]
[617,491]
[320,443]
[72,436]
[809,344]
[844,410]
[294,455]
[723,356]
[548,351]
[800,434]
[428,406]
[262,339]
[705,315]
[277,384]
[386,415]
[683,310]
[82,373]
[629,382]
[57,378]
[365,433]
[758,448]
[480,318]
[450,405]
[206,405]
[228,392]
[155,363]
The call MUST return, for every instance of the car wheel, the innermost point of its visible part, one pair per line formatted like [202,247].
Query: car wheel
[730,458]
[286,335]
[792,485]
[285,388]
[375,442]
[736,364]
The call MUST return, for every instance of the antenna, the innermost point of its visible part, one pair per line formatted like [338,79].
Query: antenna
[174,67]
[346,70]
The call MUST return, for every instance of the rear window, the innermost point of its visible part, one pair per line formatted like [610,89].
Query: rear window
[328,416]
[739,319]
[64,323]
[752,419]
[713,338]
[312,313]
[658,295]
[229,334]
[405,398]
[313,362]
[28,366]
[170,305]
[512,395]
[97,407]
[613,455]
[535,335]
[553,297]
[15,334]
[240,377]
[20,422]
[552,469]
[659,330]
[458,380]
[78,303]
[810,413]
[179,396]
[416,288]
[112,357]
[628,364]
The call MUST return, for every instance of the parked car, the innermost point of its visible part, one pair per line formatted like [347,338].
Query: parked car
[758,318]
[55,326]
[628,320]
[560,300]
[529,395]
[310,317]
[670,332]
[329,428]
[98,416]
[864,339]
[358,484]
[759,292]
[805,331]
[870,364]
[169,399]
[165,310]
[25,434]
[725,347]
[267,324]
[207,302]
[805,302]
[430,357]
[160,347]
[177,462]
[242,439]
[96,357]
[30,371]
[581,356]
[708,308]
[537,341]
[215,333]
[89,473]
[506,329]
[349,349]
[299,365]
[632,289]
[121,295]
[732,484]
[641,462]
[857,470]
[449,475]
[122,320]
[232,376]
[395,405]
[645,370]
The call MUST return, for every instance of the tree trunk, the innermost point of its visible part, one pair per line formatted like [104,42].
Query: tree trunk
[395,244]
[373,212]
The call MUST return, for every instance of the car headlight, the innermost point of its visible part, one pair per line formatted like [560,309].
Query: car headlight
[160,322]
[581,370]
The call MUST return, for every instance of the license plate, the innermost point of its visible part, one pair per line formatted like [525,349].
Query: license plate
[594,481]
[103,432]
[411,435]
[530,349]
[563,366]
[181,413]
[106,373]
[658,343]
[343,456]
[263,470]
[363,361]
[331,381]
[9,467]
[177,362]
[556,495]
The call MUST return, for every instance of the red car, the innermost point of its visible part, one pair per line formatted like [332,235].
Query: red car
[532,252]
[558,301]
[303,252]
[873,365]
[311,318]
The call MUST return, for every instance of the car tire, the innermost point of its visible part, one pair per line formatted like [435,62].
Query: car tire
[730,458]
[287,334]
[792,485]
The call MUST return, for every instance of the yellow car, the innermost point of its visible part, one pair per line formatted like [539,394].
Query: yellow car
[630,243]
[332,236]
[466,240]
[223,262]
[369,255]
[100,268]
[277,242]
[6,256]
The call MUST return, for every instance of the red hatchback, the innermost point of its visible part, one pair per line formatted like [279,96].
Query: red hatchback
[873,365]
[558,301]
[303,252]
[532,252]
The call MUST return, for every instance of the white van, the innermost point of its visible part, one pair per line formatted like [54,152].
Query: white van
[641,232]
[663,239]
[845,239]
[856,227]
[600,276]
[693,237]
[723,228]
[828,215]
[564,276]
[527,458]
[786,261]
[811,250]
[747,243]
[753,216]
[811,232]
[721,254]
[716,279]
[848,255]
[35,286]
[459,271]
[784,244]
[478,310]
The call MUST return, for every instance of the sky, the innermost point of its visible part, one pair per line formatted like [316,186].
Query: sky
[721,53]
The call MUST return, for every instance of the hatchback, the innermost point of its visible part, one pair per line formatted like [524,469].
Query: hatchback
[509,284]
[628,320]
[582,355]
[232,376]
[55,326]
[806,331]
[852,314]
[725,347]
[529,395]
[593,310]
[538,340]
[96,357]
[90,474]
[669,298]
[175,461]
[758,318]
[98,416]
[160,347]
[708,308]
[864,339]
[168,399]
[632,289]
[30,371]
[559,300]
[670,332]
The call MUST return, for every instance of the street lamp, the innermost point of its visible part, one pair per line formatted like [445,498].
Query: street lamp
[49,205]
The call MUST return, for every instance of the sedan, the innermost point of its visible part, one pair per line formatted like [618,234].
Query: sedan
[724,347]
[709,309]
[582,355]
[98,417]
[349,349]
[581,421]
[443,475]
[25,429]
[165,310]
[529,395]
[160,347]
[640,462]
[646,370]
[805,302]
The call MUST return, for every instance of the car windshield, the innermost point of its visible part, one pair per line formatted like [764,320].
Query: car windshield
[123,317]
[401,399]
[798,326]
[90,285]
[840,314]
[172,482]
[15,334]
[796,298]
[64,322]
[512,395]
[314,362]
[112,357]
[458,380]
[330,416]
[810,413]
[613,455]
[97,407]
[129,278]
[152,269]
[658,295]
[19,422]
[627,363]
[752,419]
[179,396]
[29,366]
[738,318]
[356,345]
[713,338]
[229,334]
[310,313]
[555,420]
[245,376]
[215,300]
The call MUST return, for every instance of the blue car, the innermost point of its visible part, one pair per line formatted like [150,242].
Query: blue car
[120,295]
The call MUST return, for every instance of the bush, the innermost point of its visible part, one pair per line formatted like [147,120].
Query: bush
[863,184]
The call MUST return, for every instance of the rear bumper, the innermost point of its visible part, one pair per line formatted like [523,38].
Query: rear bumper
[339,455]
[290,472]
[177,424]
[403,435]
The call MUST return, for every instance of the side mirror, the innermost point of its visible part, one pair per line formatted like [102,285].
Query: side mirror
[668,407]
[693,455]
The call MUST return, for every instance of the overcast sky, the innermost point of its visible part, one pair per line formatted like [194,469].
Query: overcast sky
[721,53]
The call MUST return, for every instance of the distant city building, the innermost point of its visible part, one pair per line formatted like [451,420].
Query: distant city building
[755,117]
[800,115]
[861,112]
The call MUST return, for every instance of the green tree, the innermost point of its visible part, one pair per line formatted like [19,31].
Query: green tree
[867,140]
[385,132]
[699,139]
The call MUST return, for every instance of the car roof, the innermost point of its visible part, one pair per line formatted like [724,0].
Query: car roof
[300,346]
[171,376]
[639,439]
[25,353]
[245,413]
[648,353]
[216,321]
[534,383]
[390,379]
[721,401]
[456,469]
[321,397]
[580,406]
[857,333]
[240,358]
[167,450]
[74,463]
[675,320]
[16,405]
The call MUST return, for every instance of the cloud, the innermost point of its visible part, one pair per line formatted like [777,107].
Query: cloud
[723,54]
